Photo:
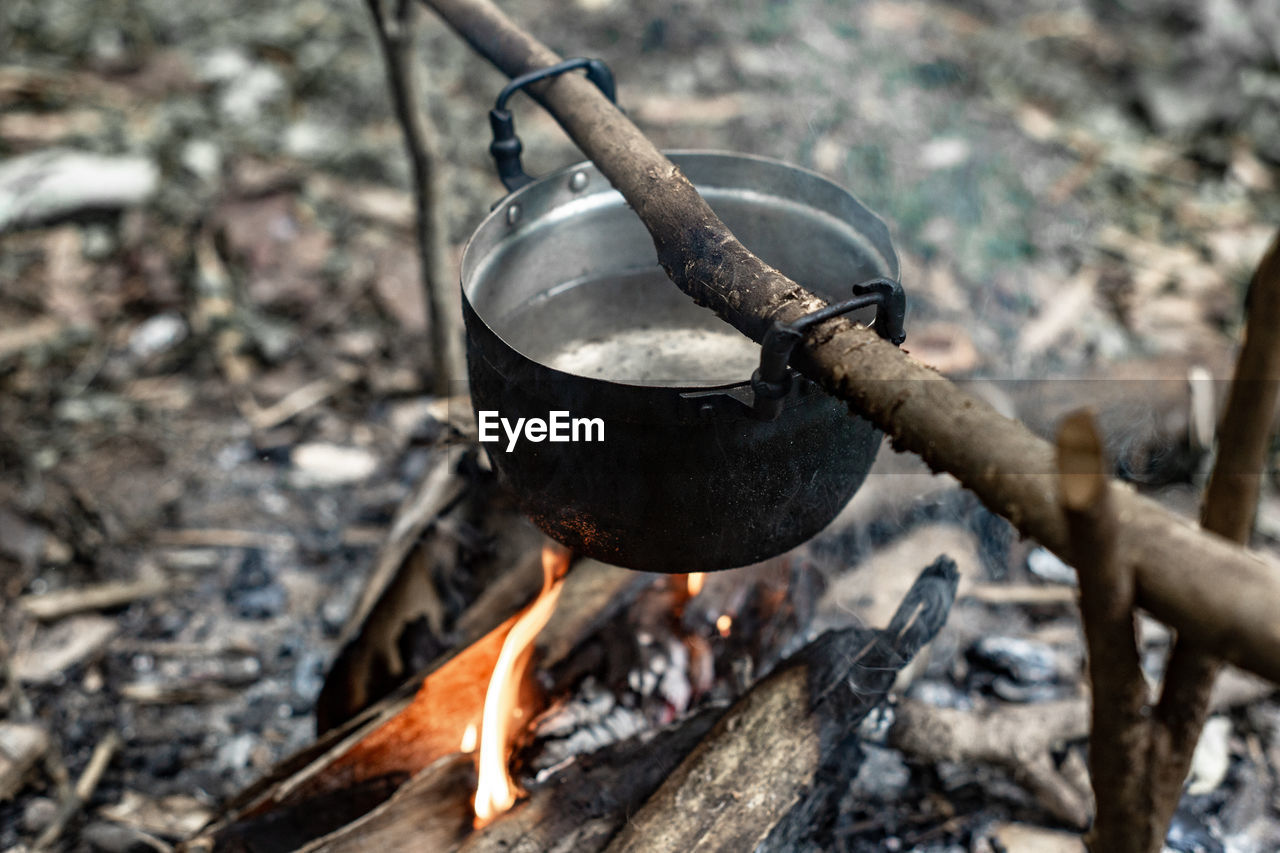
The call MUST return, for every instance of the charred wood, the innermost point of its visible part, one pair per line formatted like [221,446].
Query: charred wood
[582,807]
[761,760]
[365,760]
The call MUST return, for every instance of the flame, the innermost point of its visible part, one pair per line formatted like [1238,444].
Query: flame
[468,743]
[723,624]
[693,582]
[495,790]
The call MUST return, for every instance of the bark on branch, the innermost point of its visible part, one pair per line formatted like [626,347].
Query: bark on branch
[1118,746]
[1230,612]
[1228,509]
[395,39]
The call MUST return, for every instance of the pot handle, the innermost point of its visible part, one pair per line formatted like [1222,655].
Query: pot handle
[506,146]
[772,380]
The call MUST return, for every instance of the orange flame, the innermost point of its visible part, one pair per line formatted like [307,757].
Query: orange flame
[495,789]
[724,624]
[693,582]
[469,737]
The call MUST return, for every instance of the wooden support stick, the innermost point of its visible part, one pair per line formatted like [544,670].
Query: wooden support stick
[1228,510]
[1230,612]
[1120,736]
[395,38]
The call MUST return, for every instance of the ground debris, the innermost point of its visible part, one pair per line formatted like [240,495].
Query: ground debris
[21,746]
[49,184]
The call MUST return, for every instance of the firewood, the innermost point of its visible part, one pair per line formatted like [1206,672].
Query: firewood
[359,764]
[432,811]
[398,590]
[758,761]
[583,806]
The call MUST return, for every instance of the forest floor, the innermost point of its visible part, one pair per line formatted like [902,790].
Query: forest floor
[214,394]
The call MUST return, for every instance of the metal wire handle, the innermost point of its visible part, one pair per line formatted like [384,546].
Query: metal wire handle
[506,146]
[771,381]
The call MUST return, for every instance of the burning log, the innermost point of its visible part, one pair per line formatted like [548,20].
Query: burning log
[760,760]
[1230,613]
[377,784]
[356,766]
[583,806]
[739,779]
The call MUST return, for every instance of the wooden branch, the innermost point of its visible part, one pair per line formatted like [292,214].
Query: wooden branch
[1228,509]
[1245,430]
[584,805]
[399,589]
[395,39]
[762,757]
[74,798]
[1020,738]
[432,811]
[1230,612]
[1119,736]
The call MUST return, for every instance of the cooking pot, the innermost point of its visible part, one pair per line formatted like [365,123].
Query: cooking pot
[616,409]
[568,311]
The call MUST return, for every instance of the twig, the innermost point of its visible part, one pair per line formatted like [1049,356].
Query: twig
[1231,612]
[74,797]
[218,537]
[1024,594]
[103,596]
[1228,510]
[298,401]
[1120,736]
[395,38]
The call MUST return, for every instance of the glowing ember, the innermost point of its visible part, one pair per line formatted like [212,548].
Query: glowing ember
[495,790]
[693,582]
[723,624]
[468,739]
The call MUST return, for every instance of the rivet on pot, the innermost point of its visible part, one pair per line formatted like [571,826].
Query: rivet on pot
[513,214]
[578,181]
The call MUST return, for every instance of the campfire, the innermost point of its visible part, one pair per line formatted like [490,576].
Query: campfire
[569,714]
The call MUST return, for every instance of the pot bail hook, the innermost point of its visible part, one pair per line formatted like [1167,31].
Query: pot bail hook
[506,146]
[771,381]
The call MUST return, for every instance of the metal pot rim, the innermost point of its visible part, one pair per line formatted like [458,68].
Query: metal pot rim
[561,194]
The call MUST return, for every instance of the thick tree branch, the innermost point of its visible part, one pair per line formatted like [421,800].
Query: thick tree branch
[1230,611]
